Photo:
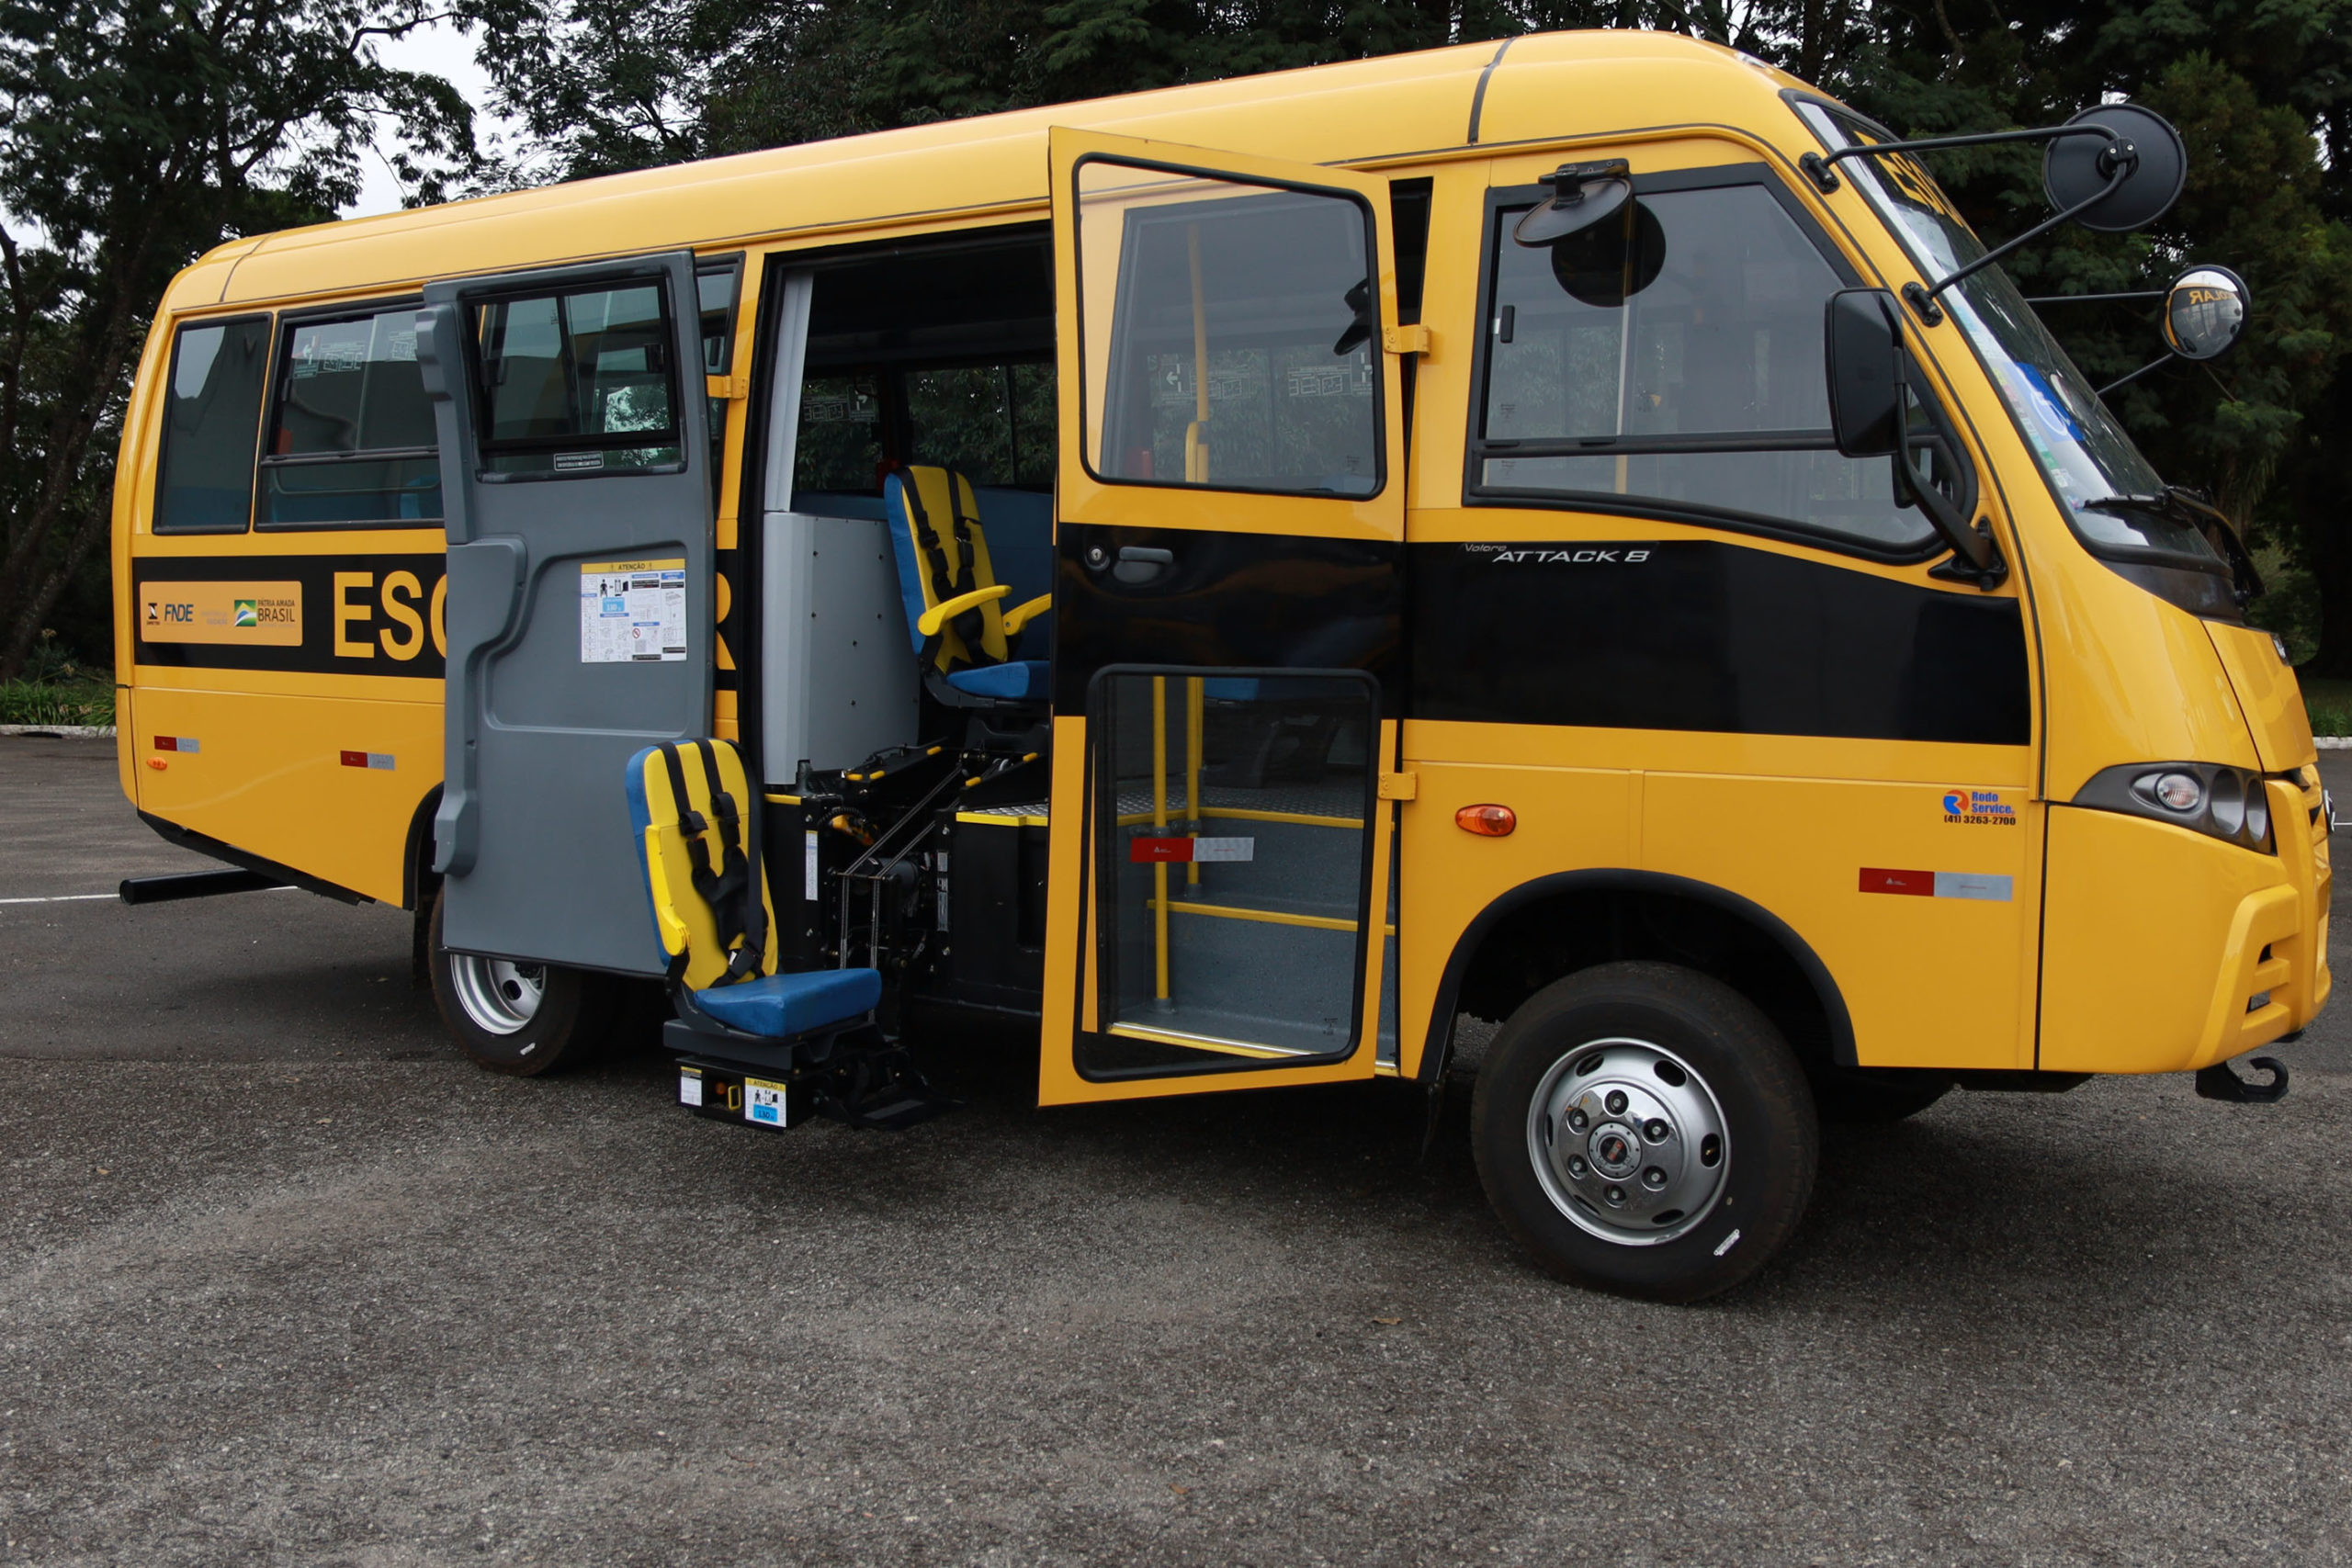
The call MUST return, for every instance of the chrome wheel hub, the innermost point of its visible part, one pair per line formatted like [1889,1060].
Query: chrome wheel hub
[499,996]
[1628,1141]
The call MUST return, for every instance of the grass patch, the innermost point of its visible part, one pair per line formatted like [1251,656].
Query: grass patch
[57,701]
[2329,702]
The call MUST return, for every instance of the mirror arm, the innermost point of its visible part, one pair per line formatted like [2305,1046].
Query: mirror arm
[1977,559]
[2115,178]
[2094,299]
[1822,171]
[2126,380]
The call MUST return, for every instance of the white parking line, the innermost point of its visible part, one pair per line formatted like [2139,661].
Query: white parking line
[84,898]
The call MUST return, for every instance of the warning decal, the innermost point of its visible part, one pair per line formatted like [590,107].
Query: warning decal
[632,611]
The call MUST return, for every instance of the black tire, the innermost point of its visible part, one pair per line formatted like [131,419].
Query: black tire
[1850,1099]
[565,1024]
[1610,1025]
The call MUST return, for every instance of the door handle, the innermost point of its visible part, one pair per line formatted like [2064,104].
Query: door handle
[1141,563]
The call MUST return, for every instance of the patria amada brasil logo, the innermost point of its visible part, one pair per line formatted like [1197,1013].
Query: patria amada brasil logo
[248,613]
[1979,808]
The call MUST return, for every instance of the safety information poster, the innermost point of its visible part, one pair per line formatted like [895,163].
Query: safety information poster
[632,611]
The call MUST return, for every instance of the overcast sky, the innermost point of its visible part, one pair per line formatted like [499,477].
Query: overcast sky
[444,51]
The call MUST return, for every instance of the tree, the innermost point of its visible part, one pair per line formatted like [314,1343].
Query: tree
[134,136]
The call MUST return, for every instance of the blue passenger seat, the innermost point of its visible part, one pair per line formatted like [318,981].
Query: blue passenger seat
[697,841]
[963,636]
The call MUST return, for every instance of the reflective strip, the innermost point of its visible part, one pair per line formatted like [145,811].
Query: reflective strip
[1936,884]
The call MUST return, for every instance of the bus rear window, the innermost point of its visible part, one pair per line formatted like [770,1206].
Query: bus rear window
[212,412]
[352,442]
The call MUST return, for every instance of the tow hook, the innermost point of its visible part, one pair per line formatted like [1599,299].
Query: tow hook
[2217,1082]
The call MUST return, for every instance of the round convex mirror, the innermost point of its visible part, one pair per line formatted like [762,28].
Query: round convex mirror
[2204,313]
[1606,265]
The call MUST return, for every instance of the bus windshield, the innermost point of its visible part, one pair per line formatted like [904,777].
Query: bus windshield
[2081,445]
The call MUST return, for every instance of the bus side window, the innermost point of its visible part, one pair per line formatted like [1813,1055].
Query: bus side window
[351,441]
[1669,361]
[841,447]
[584,381]
[212,414]
[993,423]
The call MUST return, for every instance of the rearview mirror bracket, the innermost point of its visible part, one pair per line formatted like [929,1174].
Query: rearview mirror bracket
[2144,163]
[1870,403]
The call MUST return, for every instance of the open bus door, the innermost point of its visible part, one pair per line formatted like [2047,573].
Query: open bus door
[1229,537]
[573,450]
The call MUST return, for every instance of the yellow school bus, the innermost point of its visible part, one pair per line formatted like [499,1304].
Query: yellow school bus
[1240,577]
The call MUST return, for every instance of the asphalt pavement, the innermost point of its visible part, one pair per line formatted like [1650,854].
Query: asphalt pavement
[283,1279]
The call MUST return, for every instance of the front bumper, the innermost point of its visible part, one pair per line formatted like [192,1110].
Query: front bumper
[2167,950]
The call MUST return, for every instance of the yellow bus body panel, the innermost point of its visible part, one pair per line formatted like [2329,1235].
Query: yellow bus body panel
[2166,950]
[270,775]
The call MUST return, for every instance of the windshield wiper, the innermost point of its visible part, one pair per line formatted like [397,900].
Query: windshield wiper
[2194,509]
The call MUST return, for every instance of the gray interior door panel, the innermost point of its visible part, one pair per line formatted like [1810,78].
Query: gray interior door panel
[575,463]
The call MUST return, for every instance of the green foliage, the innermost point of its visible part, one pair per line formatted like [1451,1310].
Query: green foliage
[56,701]
[2328,700]
[134,136]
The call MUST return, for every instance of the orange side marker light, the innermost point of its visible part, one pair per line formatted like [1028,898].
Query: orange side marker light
[1486,821]
[157,763]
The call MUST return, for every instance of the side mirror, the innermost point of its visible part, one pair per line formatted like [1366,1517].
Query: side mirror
[1864,350]
[2204,313]
[2116,186]
[1870,417]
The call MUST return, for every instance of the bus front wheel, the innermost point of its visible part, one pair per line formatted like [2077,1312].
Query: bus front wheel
[520,1019]
[1644,1129]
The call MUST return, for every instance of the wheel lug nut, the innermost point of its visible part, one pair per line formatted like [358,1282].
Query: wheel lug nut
[1616,1102]
[1578,1121]
[1577,1168]
[1656,1131]
[1654,1178]
[1616,1195]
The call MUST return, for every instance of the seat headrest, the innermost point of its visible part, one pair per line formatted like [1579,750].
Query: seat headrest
[690,803]
[942,552]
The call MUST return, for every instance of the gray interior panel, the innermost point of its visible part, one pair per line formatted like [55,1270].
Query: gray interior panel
[837,682]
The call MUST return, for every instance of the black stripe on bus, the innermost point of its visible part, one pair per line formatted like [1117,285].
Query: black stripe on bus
[356,618]
[1234,601]
[1699,636]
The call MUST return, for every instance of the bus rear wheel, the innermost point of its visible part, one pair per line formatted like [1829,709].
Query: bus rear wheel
[519,1018]
[1641,1128]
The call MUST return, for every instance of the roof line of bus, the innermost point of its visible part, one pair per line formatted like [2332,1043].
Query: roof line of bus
[1440,93]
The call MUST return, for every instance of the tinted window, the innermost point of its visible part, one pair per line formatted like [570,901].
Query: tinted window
[353,440]
[1674,353]
[578,382]
[993,423]
[840,445]
[1235,326]
[212,414]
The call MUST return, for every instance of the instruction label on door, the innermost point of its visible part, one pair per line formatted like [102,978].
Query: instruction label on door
[632,611]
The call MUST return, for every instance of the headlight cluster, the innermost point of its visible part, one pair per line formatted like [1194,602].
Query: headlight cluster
[2211,797]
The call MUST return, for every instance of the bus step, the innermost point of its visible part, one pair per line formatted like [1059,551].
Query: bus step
[192,884]
[880,1091]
